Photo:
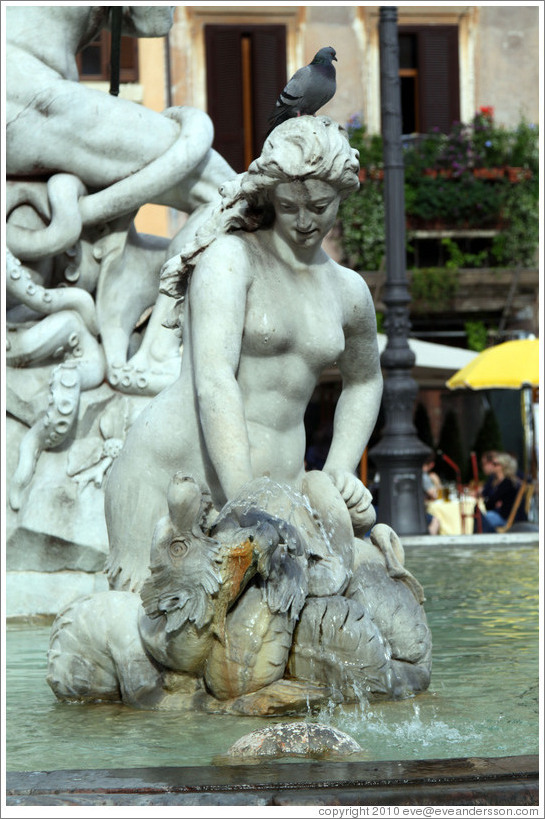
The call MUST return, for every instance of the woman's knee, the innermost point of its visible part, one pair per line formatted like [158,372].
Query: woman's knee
[491,521]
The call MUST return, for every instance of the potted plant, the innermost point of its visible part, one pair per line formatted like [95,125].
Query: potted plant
[479,176]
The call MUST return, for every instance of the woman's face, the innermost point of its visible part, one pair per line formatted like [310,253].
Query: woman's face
[305,211]
[487,466]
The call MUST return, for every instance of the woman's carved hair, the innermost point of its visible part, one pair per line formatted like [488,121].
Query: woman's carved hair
[299,149]
[304,148]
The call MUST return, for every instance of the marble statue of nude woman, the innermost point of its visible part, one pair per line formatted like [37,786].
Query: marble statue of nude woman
[265,311]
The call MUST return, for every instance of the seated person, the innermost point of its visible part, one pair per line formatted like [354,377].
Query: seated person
[489,470]
[500,496]
[431,485]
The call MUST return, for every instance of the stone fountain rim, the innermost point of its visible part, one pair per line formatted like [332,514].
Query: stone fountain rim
[510,780]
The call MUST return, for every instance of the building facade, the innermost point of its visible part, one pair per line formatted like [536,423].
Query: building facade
[232,61]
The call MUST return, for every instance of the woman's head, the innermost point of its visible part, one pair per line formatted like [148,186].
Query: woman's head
[304,211]
[303,148]
[429,463]
[505,465]
[487,461]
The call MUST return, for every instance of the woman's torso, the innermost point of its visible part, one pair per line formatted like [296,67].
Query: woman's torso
[502,497]
[293,330]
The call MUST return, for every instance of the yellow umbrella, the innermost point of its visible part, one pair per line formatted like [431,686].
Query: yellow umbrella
[511,365]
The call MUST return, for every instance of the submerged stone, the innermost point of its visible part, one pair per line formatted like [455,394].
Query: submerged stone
[295,739]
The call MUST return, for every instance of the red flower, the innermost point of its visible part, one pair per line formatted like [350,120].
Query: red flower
[487,111]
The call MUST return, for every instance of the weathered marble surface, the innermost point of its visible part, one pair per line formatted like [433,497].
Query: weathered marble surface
[60,524]
[259,595]
[294,739]
[265,311]
[240,617]
[83,303]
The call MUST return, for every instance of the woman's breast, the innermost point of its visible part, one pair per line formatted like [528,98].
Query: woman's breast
[308,331]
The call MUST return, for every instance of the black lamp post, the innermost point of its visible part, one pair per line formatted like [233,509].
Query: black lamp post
[399,454]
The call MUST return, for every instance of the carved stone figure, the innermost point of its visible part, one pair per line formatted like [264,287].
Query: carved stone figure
[265,311]
[94,177]
[136,155]
[240,617]
[80,280]
[240,583]
[69,329]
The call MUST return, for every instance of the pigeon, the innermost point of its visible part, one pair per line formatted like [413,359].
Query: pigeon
[308,90]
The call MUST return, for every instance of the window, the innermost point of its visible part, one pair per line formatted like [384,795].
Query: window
[246,70]
[94,60]
[429,77]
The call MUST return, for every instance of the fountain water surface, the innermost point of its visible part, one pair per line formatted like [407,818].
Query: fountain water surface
[482,605]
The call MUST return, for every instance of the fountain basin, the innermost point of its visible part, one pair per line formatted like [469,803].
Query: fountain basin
[482,704]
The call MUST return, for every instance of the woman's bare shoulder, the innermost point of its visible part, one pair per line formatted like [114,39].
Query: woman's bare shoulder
[227,242]
[225,267]
[356,300]
[354,284]
[227,252]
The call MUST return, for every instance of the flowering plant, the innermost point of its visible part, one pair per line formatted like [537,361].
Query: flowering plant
[462,179]
[479,144]
[368,145]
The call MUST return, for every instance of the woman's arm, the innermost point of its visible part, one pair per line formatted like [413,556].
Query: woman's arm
[217,299]
[359,403]
[503,497]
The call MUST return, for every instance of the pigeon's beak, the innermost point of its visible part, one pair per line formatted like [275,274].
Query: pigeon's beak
[334,58]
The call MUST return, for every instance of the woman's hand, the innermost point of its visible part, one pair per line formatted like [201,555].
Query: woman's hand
[356,496]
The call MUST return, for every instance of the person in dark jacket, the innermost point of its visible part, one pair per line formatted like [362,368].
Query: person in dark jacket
[487,466]
[500,495]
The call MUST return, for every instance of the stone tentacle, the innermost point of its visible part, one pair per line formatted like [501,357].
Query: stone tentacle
[64,192]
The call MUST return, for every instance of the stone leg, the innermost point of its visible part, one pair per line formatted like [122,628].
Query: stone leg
[132,505]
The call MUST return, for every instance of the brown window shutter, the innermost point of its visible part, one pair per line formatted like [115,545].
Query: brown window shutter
[439,82]
[233,81]
[94,60]
[269,77]
[224,84]
[128,66]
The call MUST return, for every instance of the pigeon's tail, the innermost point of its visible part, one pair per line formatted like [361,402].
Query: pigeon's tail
[281,114]
[287,106]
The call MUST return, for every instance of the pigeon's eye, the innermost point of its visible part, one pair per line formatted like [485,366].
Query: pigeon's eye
[178,548]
